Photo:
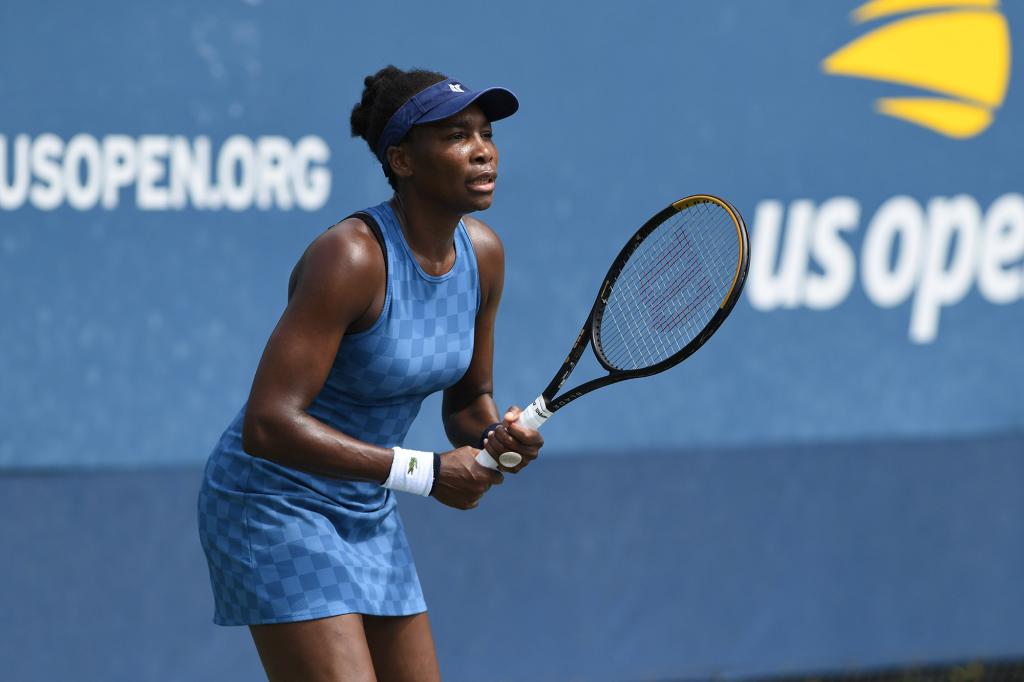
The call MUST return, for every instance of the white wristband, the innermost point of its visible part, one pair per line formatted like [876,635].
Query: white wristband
[412,471]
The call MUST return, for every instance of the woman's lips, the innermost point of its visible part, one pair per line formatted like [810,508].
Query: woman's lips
[484,182]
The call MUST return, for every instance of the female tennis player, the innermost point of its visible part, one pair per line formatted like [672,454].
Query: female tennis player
[297,509]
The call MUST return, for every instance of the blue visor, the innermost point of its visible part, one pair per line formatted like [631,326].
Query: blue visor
[440,101]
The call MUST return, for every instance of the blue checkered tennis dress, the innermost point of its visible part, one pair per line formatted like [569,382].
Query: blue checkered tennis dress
[287,545]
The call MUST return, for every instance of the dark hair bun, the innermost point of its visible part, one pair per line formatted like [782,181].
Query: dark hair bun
[362,113]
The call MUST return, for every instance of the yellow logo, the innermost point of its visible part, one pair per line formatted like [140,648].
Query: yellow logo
[959,50]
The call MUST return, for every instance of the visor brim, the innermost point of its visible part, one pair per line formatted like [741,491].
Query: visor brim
[496,103]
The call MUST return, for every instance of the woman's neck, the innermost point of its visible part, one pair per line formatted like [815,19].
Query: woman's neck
[429,231]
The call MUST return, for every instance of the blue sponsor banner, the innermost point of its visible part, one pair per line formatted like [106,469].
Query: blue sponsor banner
[163,166]
[840,493]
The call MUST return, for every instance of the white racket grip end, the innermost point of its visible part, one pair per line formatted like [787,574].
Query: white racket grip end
[532,418]
[484,459]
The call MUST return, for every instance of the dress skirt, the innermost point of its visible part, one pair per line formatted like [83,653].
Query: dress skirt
[285,545]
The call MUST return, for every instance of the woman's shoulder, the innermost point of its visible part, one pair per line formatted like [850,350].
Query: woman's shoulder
[490,258]
[344,254]
[486,242]
[350,242]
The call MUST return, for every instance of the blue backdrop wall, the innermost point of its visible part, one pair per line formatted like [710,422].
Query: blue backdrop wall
[830,483]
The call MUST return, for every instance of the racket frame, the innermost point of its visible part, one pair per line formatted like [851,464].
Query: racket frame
[588,333]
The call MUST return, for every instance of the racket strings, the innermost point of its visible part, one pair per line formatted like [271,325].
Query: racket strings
[670,287]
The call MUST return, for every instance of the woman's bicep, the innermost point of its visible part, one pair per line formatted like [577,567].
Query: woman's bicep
[296,360]
[336,286]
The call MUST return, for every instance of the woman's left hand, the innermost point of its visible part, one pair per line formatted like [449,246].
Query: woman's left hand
[514,437]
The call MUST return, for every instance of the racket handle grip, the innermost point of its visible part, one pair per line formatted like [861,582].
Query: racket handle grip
[535,414]
[532,418]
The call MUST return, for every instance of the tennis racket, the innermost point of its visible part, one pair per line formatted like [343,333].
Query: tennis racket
[667,292]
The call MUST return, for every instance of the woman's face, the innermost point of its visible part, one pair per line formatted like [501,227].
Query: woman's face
[454,161]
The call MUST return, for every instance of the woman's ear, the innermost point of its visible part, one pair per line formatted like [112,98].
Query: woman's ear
[401,164]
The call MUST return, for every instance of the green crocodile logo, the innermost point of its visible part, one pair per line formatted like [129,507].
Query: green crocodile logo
[412,466]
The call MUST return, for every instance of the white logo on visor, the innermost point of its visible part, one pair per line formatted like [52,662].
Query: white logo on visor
[455,87]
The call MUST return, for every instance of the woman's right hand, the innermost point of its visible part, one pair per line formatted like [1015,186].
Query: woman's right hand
[462,482]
